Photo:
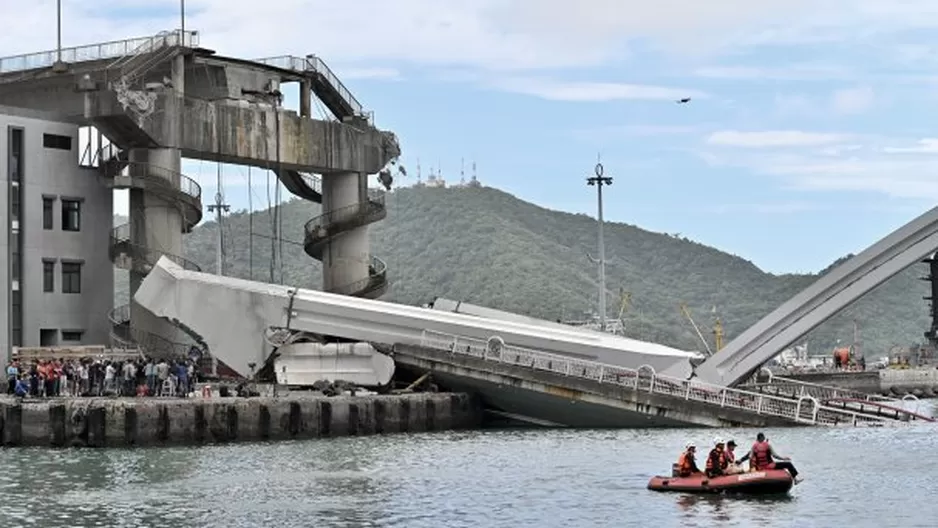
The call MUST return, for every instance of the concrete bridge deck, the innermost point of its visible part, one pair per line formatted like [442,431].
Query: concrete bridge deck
[561,390]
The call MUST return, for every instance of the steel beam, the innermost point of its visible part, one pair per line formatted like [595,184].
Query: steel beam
[232,315]
[744,355]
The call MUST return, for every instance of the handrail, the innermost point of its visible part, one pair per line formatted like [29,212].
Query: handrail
[86,53]
[120,236]
[312,181]
[153,345]
[166,177]
[377,273]
[317,65]
[372,207]
[646,379]
[314,64]
[151,43]
[822,392]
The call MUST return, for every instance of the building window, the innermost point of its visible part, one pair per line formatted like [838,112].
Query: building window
[72,335]
[16,326]
[71,277]
[48,276]
[56,141]
[15,261]
[71,215]
[16,154]
[48,337]
[15,206]
[47,207]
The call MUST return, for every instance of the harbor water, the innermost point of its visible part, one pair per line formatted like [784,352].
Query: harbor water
[487,478]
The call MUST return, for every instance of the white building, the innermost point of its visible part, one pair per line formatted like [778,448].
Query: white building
[57,220]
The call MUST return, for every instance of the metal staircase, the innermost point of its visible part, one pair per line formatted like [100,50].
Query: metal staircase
[153,51]
[117,171]
[321,230]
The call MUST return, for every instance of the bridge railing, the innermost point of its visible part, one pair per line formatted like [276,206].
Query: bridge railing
[92,52]
[805,409]
[782,385]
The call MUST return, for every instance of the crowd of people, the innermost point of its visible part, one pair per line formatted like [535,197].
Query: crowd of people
[44,378]
[722,459]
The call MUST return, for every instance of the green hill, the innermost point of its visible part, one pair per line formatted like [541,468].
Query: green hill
[487,247]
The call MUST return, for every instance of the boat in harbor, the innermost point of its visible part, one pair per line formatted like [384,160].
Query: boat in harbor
[767,482]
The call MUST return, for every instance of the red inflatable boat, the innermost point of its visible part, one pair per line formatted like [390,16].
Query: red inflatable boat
[770,481]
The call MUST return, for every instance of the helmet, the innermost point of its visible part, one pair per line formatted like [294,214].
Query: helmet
[689,445]
[717,441]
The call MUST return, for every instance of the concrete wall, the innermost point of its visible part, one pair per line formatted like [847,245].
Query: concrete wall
[54,173]
[886,381]
[917,381]
[133,422]
[247,134]
[868,382]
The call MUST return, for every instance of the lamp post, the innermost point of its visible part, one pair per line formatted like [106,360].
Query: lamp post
[599,180]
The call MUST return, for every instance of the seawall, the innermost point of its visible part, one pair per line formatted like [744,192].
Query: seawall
[892,382]
[125,422]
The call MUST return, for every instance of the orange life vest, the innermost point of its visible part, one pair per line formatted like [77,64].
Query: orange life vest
[761,459]
[685,464]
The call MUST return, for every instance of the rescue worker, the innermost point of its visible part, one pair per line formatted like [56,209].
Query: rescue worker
[762,457]
[714,460]
[728,463]
[686,464]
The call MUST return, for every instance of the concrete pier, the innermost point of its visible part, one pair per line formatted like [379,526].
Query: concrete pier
[888,382]
[102,422]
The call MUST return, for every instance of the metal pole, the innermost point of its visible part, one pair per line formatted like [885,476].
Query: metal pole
[602,262]
[218,208]
[599,180]
[182,22]
[58,30]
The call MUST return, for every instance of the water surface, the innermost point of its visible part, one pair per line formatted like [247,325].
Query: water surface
[510,478]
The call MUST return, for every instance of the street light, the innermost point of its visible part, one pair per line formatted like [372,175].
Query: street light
[599,180]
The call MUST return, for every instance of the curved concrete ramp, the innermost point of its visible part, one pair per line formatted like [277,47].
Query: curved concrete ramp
[232,315]
[843,285]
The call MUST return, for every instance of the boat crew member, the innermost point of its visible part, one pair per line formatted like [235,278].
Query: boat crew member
[686,464]
[715,459]
[762,457]
[728,464]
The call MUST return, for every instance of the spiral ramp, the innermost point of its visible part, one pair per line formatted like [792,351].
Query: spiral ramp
[322,231]
[177,191]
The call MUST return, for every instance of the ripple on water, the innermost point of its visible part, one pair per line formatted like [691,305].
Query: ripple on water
[568,478]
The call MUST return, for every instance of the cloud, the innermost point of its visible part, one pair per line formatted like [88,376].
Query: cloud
[795,72]
[861,166]
[923,146]
[486,34]
[383,74]
[852,100]
[773,138]
[592,91]
[803,206]
[614,131]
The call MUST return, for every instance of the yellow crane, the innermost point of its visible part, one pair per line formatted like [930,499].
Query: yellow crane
[718,334]
[717,329]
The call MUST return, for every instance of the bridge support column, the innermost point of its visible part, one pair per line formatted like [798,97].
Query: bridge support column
[156,224]
[155,228]
[347,258]
[305,98]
